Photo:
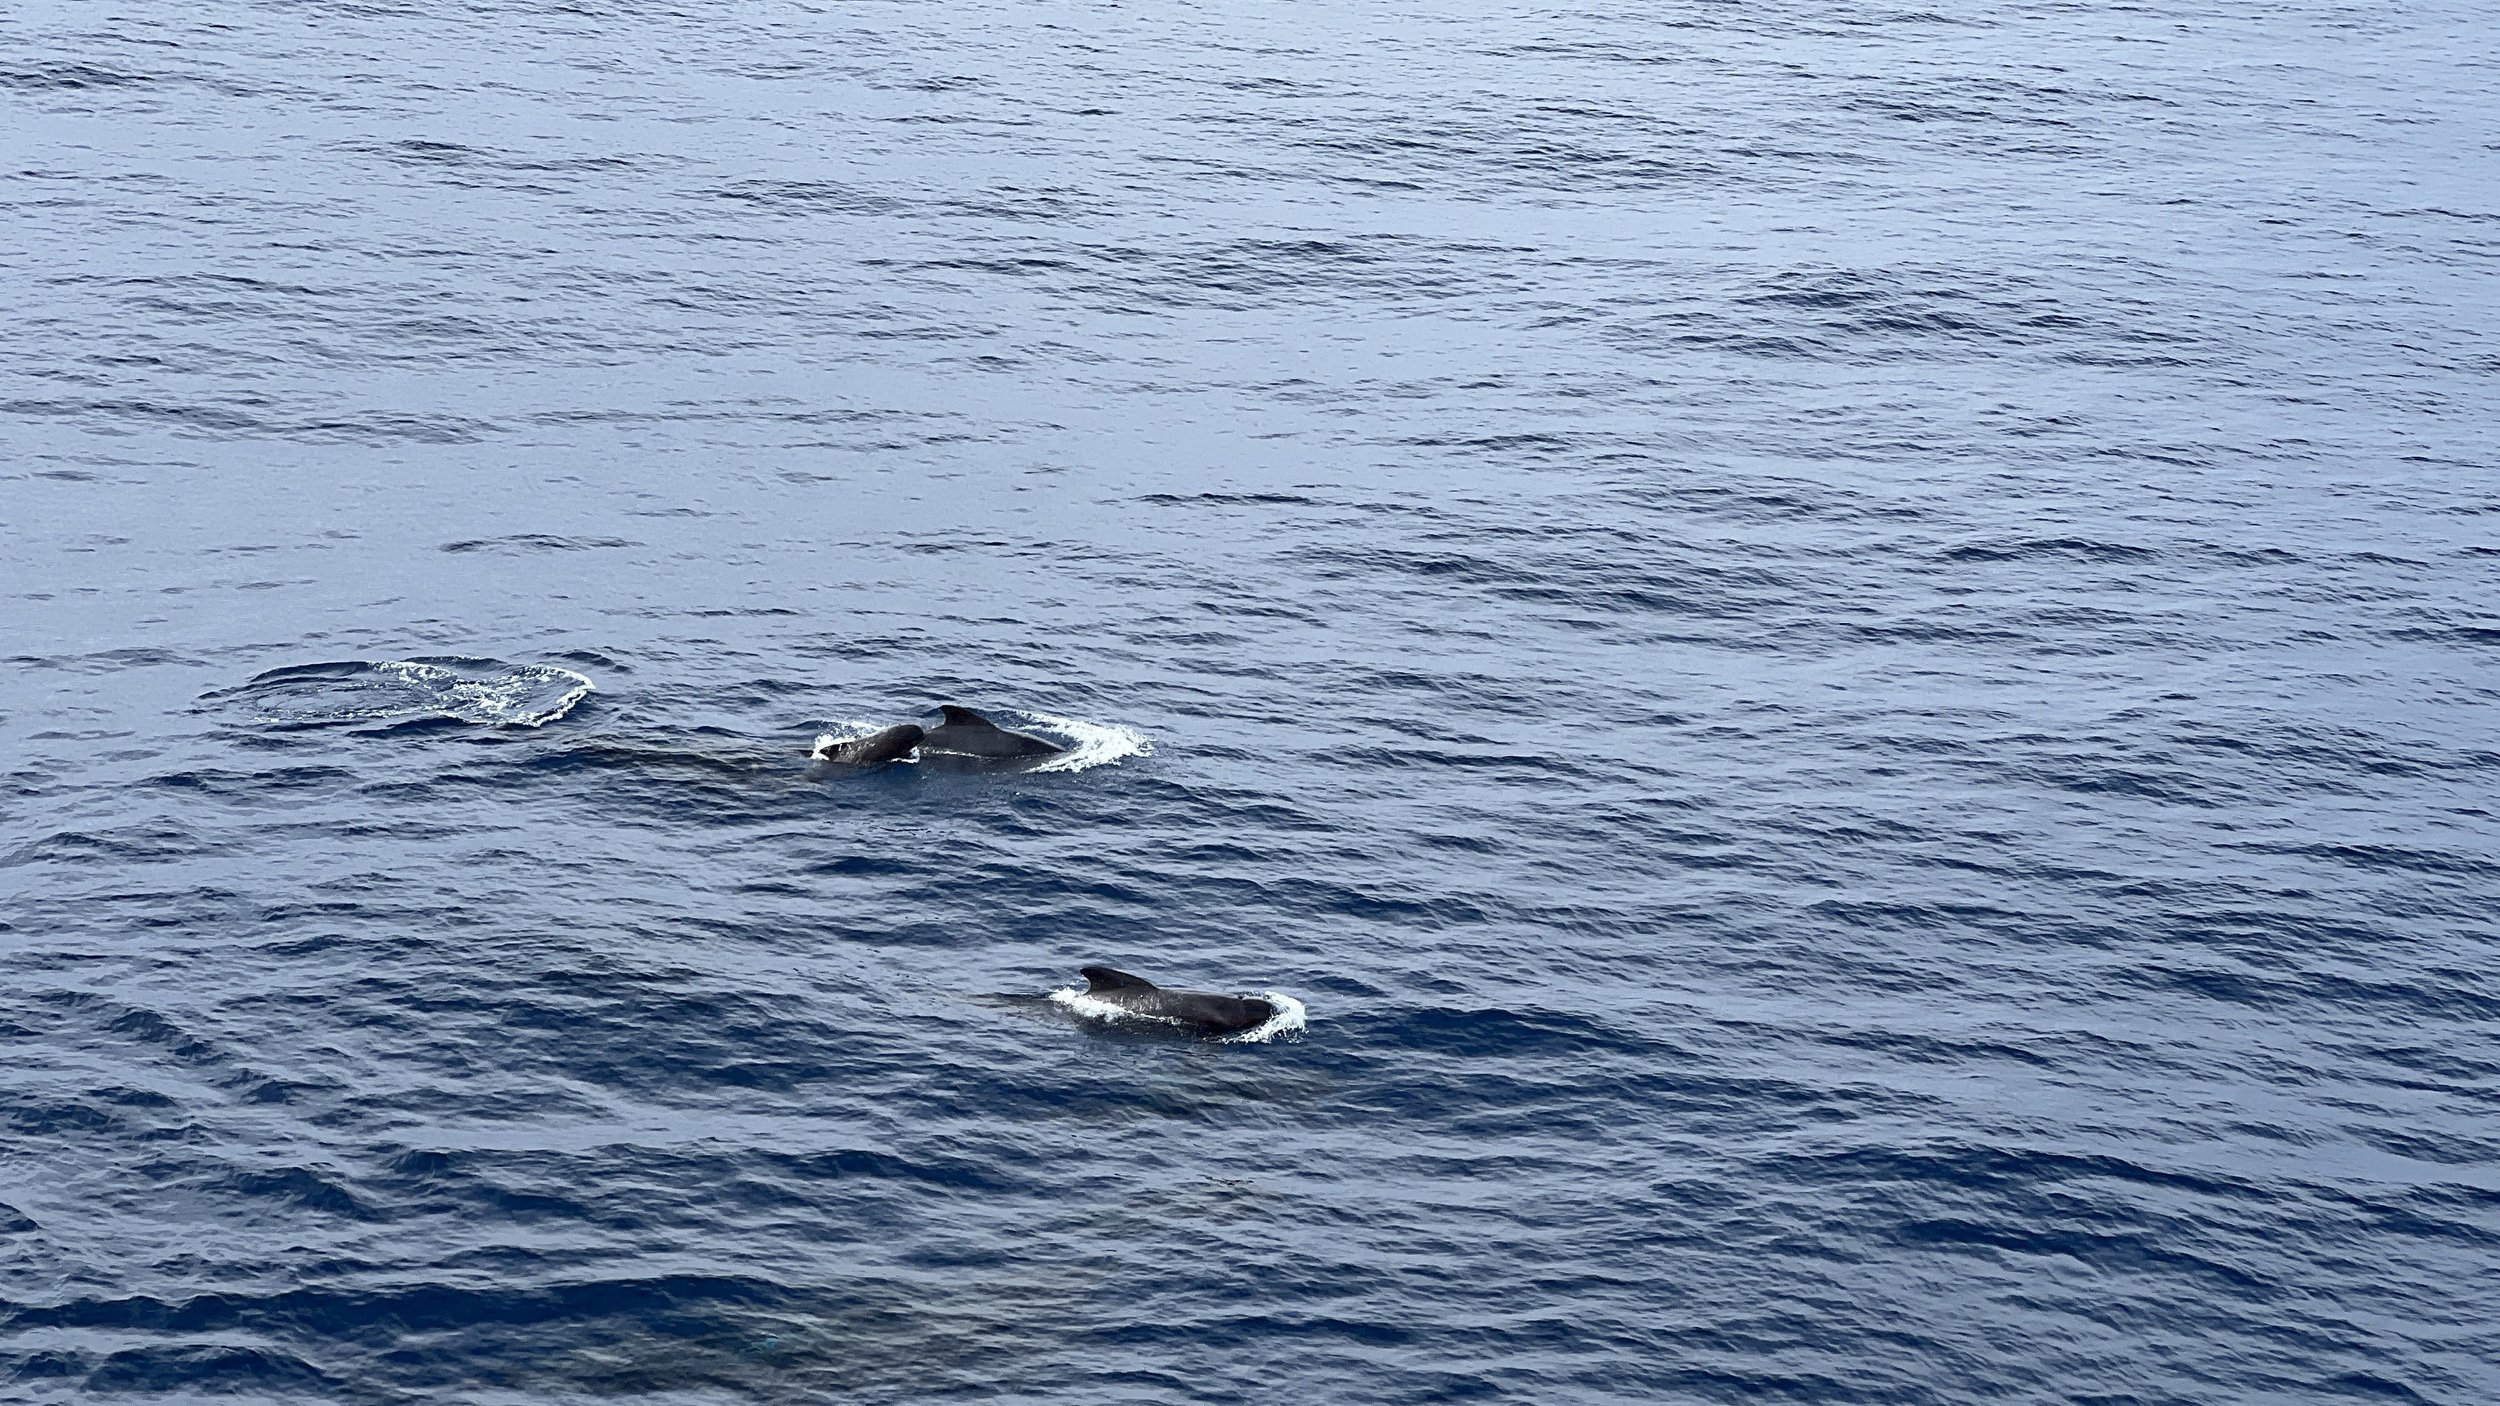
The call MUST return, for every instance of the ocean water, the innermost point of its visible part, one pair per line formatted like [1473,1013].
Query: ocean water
[1846,655]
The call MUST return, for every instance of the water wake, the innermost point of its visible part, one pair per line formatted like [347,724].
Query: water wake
[487,692]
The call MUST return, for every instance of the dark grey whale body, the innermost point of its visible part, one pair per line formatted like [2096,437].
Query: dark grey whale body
[1202,1011]
[876,747]
[967,733]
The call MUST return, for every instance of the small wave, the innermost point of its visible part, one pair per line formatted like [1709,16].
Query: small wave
[525,542]
[1291,1015]
[483,691]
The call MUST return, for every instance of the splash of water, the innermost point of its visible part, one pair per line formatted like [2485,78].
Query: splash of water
[1090,744]
[1291,1018]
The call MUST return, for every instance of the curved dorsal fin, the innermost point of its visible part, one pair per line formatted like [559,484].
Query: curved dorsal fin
[963,717]
[1108,979]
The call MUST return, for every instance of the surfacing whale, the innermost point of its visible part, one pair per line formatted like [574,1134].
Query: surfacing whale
[967,733]
[875,748]
[1201,1011]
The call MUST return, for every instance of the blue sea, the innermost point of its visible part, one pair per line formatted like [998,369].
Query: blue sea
[1841,659]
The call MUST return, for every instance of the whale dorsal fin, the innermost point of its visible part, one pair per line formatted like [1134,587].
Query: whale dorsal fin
[963,717]
[1107,979]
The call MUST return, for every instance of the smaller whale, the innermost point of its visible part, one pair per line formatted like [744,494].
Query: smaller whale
[1201,1011]
[875,748]
[967,733]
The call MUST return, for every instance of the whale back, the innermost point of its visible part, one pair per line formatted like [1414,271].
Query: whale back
[970,734]
[877,747]
[1202,1010]
[1101,979]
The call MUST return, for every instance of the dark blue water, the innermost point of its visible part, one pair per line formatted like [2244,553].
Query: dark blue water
[1848,654]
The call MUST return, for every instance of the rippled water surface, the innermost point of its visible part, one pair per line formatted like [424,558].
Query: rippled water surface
[1845,653]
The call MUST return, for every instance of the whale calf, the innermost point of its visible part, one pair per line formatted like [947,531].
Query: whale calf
[1201,1011]
[967,733]
[876,747]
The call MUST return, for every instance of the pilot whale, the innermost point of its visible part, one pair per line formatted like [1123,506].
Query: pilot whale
[875,748]
[1201,1011]
[967,733]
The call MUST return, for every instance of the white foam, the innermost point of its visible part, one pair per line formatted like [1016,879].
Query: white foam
[1090,744]
[1291,1015]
